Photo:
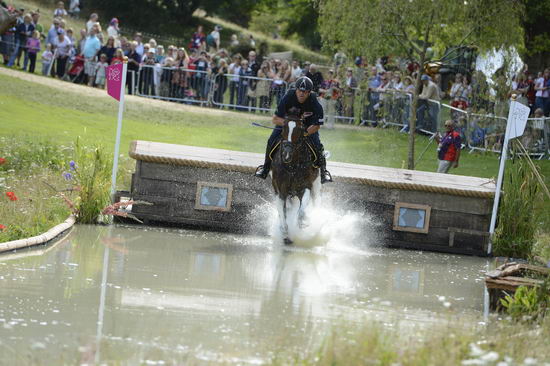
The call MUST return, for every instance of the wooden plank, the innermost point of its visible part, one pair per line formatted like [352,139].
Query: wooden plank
[438,201]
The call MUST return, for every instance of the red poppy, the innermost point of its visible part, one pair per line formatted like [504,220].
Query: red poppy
[2,227]
[11,196]
[2,161]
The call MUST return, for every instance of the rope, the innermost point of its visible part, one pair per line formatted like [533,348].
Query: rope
[354,180]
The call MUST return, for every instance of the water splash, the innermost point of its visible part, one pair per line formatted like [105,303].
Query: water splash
[328,227]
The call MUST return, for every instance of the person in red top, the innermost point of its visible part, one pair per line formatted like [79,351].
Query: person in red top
[448,151]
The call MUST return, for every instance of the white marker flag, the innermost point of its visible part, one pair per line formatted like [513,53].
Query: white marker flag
[517,119]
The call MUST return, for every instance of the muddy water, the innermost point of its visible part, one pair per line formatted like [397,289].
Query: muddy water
[159,296]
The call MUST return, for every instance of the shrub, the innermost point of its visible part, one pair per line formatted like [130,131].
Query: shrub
[517,222]
[531,302]
[89,174]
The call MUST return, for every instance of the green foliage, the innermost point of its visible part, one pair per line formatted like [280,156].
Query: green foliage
[537,33]
[517,219]
[26,153]
[91,176]
[378,27]
[531,302]
[291,19]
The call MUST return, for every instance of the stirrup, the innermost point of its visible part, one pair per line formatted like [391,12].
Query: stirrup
[326,177]
[261,172]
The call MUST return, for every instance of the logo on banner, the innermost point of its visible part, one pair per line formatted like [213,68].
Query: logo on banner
[114,75]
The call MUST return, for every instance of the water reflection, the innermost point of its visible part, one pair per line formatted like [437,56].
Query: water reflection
[156,295]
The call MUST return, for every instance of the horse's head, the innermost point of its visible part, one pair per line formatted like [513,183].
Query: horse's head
[293,131]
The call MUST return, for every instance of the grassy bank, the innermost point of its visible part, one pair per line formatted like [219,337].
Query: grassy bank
[500,342]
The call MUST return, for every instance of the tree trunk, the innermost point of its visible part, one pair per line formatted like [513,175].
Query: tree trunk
[412,125]
[414,104]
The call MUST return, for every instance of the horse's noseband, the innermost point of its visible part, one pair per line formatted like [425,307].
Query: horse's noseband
[286,151]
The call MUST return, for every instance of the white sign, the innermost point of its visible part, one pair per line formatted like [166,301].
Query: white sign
[517,119]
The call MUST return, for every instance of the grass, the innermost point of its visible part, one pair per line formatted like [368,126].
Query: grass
[501,342]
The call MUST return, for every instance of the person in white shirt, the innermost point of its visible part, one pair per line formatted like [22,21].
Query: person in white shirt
[234,70]
[60,11]
[114,31]
[90,23]
[74,8]
[296,71]
[63,48]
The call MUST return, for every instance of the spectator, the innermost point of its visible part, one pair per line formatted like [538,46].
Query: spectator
[531,92]
[114,31]
[100,71]
[251,42]
[305,69]
[90,23]
[456,91]
[74,8]
[220,81]
[234,71]
[47,58]
[91,48]
[159,54]
[315,76]
[109,49]
[134,59]
[201,65]
[520,88]
[427,102]
[373,98]
[7,42]
[138,38]
[349,92]
[166,77]
[245,72]
[63,47]
[542,92]
[213,39]
[98,32]
[339,59]
[295,71]
[448,150]
[60,11]
[147,85]
[33,47]
[234,41]
[82,41]
[118,58]
[329,92]
[52,33]
[198,40]
[264,84]
[37,26]
[22,32]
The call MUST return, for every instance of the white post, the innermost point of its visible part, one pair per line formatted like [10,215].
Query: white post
[503,157]
[119,127]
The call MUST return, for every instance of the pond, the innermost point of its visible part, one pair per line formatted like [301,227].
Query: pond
[142,295]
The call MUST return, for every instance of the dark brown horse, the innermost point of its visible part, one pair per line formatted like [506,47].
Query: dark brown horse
[294,171]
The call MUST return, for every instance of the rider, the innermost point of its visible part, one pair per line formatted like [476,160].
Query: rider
[302,98]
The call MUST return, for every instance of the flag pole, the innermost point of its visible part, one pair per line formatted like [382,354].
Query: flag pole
[119,127]
[503,157]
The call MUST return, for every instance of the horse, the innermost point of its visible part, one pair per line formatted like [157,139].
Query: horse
[294,171]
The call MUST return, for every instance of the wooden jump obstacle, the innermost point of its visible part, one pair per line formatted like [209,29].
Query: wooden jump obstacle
[213,188]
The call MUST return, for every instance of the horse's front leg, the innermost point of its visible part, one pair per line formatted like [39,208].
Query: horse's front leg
[281,208]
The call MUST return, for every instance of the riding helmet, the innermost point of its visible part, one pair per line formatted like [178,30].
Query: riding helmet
[304,84]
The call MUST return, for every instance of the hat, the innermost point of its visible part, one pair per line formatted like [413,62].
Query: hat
[331,70]
[114,20]
[349,69]
[151,50]
[218,27]
[60,31]
[425,77]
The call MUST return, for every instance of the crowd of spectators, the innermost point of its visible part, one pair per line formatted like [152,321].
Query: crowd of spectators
[205,72]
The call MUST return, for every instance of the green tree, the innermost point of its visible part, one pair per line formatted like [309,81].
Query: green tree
[407,27]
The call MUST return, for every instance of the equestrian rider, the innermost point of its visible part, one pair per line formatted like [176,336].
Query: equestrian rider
[302,98]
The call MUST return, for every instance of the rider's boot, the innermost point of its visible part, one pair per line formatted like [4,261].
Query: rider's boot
[263,170]
[326,177]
